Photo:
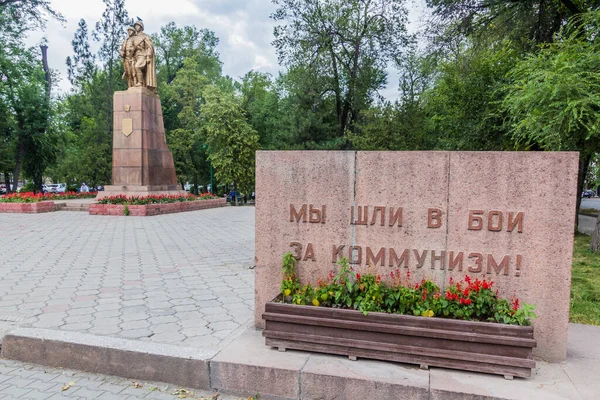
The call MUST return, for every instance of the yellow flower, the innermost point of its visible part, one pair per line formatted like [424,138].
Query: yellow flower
[315,302]
[287,292]
[428,313]
[298,301]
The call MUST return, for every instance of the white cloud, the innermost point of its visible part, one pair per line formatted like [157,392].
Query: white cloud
[243,27]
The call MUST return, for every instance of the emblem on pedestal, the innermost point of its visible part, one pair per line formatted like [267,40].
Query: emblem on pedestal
[127,126]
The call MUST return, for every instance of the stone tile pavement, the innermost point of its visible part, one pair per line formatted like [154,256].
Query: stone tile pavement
[183,279]
[25,381]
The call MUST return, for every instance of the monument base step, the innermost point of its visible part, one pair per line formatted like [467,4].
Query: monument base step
[247,367]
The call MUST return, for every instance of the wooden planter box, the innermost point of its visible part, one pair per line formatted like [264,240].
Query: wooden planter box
[466,345]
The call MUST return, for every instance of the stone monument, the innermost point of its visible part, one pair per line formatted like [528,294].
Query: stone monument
[506,216]
[142,163]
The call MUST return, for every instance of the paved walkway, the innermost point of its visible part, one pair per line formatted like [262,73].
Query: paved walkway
[183,279]
[25,381]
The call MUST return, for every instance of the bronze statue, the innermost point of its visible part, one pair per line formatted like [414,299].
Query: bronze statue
[137,52]
[127,51]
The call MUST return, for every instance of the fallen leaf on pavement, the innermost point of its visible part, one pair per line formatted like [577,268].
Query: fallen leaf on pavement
[137,385]
[182,393]
[67,386]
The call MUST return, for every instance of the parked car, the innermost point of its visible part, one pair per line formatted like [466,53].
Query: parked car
[587,193]
[55,188]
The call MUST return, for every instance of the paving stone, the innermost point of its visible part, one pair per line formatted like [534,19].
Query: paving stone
[191,323]
[196,331]
[135,324]
[213,310]
[115,275]
[135,333]
[78,319]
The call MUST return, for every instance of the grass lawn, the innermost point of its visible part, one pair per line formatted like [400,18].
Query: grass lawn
[585,285]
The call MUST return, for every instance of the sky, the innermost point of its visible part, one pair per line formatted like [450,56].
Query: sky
[243,27]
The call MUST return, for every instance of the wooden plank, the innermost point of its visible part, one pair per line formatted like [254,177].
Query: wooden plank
[402,330]
[404,340]
[465,355]
[405,358]
[405,320]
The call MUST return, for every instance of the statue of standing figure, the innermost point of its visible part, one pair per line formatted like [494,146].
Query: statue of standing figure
[137,52]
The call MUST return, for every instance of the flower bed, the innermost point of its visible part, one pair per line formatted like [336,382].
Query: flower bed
[29,197]
[154,205]
[155,199]
[363,316]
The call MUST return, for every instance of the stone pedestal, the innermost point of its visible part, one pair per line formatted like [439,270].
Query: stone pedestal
[142,162]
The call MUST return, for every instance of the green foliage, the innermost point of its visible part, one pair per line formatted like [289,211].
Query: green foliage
[126,210]
[231,141]
[554,96]
[463,107]
[174,45]
[585,283]
[343,47]
[526,22]
[471,299]
[290,282]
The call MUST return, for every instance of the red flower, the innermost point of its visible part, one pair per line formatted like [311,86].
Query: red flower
[357,276]
[515,304]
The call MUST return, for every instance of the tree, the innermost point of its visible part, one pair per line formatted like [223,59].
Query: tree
[88,110]
[82,66]
[554,97]
[401,125]
[231,141]
[174,45]
[344,45]
[521,21]
[261,104]
[463,107]
[186,137]
[19,16]
[110,32]
[25,101]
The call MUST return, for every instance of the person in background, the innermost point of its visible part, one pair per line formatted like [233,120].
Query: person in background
[84,188]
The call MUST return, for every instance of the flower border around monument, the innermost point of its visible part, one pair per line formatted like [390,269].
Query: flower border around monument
[29,203]
[154,204]
[467,326]
[28,197]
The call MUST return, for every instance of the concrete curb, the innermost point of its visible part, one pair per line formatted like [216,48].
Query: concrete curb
[110,356]
[247,367]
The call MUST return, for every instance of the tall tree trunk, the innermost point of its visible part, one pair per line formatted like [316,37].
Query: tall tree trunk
[18,161]
[7,182]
